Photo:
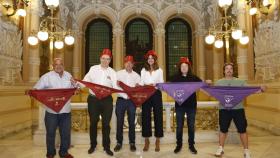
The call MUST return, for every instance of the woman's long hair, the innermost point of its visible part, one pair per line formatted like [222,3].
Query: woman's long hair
[147,65]
[189,73]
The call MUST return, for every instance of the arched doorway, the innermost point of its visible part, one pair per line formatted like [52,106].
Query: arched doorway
[178,43]
[138,40]
[98,36]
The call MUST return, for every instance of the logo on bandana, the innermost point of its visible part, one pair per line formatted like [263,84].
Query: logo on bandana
[228,99]
[179,93]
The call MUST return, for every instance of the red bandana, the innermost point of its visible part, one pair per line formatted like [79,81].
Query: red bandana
[138,94]
[54,99]
[99,90]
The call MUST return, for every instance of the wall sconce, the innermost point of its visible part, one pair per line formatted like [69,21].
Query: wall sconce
[15,7]
[259,5]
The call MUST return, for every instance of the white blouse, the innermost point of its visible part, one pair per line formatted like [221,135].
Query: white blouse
[154,77]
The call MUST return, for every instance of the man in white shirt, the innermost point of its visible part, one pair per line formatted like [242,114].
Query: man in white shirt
[104,75]
[132,79]
[52,80]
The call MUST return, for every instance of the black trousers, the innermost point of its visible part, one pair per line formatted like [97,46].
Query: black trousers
[155,103]
[97,108]
[180,119]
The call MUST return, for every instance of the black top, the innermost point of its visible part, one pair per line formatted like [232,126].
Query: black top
[191,102]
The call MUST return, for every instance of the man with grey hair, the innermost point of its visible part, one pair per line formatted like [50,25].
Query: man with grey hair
[57,78]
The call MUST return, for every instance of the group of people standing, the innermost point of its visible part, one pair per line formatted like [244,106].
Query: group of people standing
[151,74]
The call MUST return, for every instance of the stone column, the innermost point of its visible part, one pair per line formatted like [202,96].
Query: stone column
[217,64]
[118,53]
[242,51]
[77,55]
[34,56]
[159,34]
[200,55]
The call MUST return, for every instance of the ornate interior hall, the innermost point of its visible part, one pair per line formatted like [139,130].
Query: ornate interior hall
[33,33]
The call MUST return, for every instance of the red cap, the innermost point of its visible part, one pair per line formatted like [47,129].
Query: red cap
[129,58]
[106,51]
[185,60]
[150,52]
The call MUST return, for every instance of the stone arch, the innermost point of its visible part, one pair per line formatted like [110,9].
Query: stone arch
[89,13]
[130,12]
[192,16]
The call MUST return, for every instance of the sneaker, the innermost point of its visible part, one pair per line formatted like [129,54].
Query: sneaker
[219,152]
[247,154]
[192,149]
[132,147]
[117,147]
[109,152]
[177,149]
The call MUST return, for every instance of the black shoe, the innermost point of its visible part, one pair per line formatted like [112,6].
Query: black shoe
[109,152]
[132,147]
[91,150]
[192,149]
[117,147]
[177,149]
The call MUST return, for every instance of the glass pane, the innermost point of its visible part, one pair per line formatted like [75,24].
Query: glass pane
[178,44]
[138,40]
[98,36]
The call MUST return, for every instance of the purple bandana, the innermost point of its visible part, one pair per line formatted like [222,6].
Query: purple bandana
[230,96]
[180,91]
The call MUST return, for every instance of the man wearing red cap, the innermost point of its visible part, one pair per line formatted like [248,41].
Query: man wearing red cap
[104,75]
[188,107]
[132,79]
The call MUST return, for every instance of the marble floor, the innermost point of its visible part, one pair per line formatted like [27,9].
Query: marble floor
[262,145]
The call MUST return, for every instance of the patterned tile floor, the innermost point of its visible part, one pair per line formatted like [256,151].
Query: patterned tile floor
[262,145]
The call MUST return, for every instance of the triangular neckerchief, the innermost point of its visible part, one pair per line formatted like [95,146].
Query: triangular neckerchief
[180,91]
[54,99]
[100,91]
[230,96]
[138,94]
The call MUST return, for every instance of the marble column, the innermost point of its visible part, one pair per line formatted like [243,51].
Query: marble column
[217,64]
[159,34]
[34,56]
[242,51]
[77,55]
[200,55]
[118,53]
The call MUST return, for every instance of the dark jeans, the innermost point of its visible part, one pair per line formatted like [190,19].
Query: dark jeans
[97,108]
[155,103]
[123,105]
[180,117]
[63,122]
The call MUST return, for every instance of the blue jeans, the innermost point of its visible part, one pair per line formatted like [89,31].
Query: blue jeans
[63,122]
[123,105]
[180,117]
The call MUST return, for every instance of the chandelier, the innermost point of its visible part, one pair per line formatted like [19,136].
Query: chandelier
[49,29]
[259,5]
[225,27]
[15,7]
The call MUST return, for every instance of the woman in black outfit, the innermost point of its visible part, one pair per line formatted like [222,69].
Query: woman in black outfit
[189,106]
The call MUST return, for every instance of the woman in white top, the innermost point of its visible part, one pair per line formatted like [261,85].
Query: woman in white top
[151,74]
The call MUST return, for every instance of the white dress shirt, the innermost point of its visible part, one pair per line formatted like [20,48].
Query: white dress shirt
[52,80]
[130,79]
[102,76]
[148,78]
